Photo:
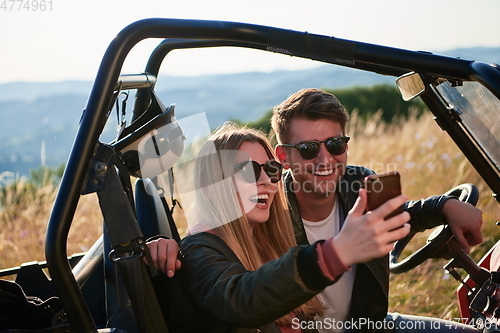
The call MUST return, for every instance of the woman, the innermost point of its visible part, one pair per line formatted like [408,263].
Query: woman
[241,266]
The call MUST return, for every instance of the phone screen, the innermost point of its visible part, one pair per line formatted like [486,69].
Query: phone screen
[383,187]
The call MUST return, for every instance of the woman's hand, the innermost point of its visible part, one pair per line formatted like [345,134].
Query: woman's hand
[164,254]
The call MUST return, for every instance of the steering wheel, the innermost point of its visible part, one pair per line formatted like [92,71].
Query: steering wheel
[442,235]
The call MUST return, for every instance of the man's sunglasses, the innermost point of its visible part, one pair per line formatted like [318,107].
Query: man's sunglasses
[310,149]
[251,170]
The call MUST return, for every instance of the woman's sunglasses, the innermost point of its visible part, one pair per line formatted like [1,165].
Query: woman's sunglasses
[310,149]
[251,170]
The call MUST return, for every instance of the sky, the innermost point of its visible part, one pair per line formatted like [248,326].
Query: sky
[68,39]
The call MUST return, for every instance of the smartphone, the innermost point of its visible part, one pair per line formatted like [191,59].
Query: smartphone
[382,187]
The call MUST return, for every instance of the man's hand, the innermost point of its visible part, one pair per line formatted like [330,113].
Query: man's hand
[164,254]
[465,221]
[368,236]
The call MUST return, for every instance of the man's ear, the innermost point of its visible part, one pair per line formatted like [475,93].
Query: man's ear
[282,156]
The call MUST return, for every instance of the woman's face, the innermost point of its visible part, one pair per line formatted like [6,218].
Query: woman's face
[256,197]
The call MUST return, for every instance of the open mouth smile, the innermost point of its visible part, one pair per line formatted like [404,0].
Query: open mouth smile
[260,199]
[322,172]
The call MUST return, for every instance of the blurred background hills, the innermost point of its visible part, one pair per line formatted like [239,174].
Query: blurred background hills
[38,121]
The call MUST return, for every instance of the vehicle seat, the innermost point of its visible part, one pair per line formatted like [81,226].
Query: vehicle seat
[150,211]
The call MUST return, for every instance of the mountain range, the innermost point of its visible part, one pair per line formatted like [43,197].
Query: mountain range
[38,121]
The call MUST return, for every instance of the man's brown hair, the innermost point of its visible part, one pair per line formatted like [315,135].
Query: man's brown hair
[310,104]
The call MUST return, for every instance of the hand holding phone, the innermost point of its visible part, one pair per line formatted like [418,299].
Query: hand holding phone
[381,188]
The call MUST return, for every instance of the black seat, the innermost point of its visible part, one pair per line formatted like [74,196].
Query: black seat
[150,210]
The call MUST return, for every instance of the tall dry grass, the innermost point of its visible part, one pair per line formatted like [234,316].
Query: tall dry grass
[427,159]
[23,223]
[429,163]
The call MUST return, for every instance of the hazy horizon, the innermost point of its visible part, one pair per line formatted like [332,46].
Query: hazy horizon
[68,41]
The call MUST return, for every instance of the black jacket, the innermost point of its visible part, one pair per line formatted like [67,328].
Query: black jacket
[231,299]
[213,292]
[371,284]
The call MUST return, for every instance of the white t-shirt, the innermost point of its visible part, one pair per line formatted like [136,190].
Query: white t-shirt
[337,297]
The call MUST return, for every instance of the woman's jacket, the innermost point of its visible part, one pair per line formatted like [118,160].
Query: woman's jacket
[237,300]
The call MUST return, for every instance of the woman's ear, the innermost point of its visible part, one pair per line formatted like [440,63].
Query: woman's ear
[282,156]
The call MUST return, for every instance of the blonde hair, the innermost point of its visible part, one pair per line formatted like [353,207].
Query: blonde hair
[222,211]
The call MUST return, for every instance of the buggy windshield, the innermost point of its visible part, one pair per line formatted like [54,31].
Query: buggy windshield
[479,113]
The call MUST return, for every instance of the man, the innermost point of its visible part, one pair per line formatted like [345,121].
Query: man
[322,189]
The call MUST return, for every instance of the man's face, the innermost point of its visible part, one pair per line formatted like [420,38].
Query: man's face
[321,174]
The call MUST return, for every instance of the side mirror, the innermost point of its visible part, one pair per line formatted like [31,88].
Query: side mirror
[411,85]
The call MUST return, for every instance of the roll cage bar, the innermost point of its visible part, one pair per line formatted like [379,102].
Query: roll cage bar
[183,34]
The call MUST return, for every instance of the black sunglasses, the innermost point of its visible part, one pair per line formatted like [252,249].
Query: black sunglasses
[310,149]
[251,170]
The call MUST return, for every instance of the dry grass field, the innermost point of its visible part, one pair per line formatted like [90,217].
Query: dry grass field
[429,164]
[427,159]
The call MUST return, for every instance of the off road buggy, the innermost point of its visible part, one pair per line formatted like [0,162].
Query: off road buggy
[109,289]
